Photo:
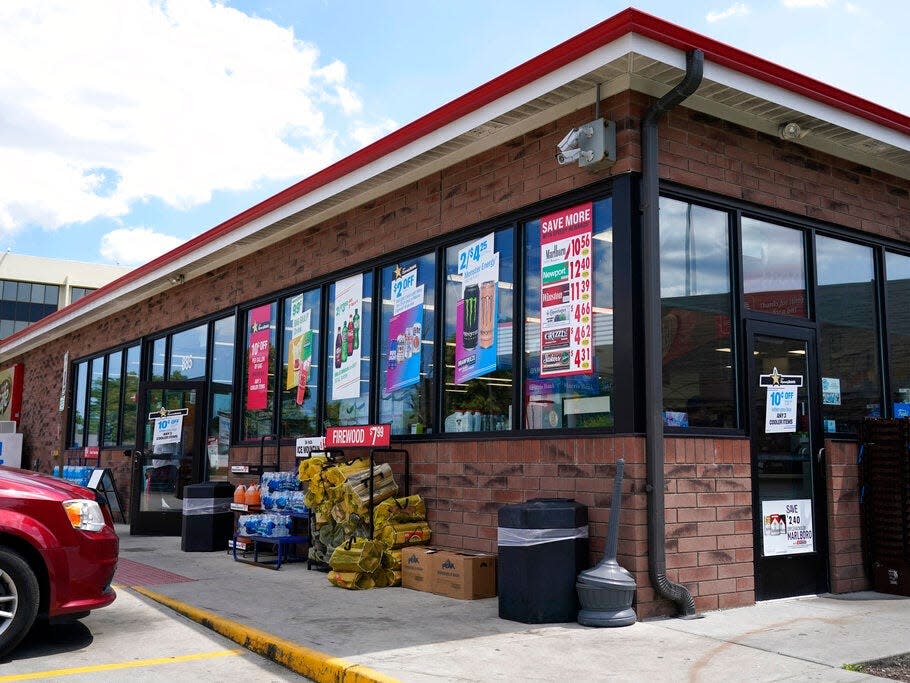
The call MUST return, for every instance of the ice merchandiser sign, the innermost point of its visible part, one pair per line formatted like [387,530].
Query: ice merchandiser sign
[566,299]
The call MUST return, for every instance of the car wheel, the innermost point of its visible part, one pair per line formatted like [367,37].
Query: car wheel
[19,595]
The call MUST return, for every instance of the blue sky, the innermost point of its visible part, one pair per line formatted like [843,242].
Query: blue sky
[124,133]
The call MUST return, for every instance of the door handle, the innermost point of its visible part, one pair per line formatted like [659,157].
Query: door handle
[818,456]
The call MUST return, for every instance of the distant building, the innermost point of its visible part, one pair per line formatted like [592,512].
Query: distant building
[32,287]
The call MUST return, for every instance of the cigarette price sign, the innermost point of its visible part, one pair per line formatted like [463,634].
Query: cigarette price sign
[360,436]
[566,292]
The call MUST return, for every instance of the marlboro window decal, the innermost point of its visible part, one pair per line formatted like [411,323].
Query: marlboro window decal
[348,348]
[259,369]
[568,294]
[406,345]
[478,333]
[300,371]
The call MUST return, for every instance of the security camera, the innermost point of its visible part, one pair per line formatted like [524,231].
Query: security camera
[568,147]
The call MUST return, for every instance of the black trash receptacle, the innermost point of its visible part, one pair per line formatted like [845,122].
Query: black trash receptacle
[543,545]
[208,521]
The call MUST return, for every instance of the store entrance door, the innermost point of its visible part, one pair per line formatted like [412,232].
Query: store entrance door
[788,474]
[169,455]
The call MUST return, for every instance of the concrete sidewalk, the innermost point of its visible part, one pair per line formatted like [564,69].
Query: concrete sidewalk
[327,633]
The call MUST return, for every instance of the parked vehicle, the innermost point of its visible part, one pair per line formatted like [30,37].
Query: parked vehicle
[58,552]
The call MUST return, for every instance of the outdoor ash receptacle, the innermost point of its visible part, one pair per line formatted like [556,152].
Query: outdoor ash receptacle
[208,522]
[607,590]
[542,545]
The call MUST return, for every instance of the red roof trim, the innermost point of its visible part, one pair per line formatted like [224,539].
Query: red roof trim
[628,21]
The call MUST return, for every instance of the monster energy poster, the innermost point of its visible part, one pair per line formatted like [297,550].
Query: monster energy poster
[476,316]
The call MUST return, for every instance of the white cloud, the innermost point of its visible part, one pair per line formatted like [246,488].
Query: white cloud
[365,133]
[852,9]
[105,105]
[802,4]
[737,8]
[131,246]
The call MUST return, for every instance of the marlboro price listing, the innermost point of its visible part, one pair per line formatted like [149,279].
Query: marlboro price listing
[566,293]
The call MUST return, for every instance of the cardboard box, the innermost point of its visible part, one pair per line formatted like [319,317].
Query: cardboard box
[416,573]
[463,574]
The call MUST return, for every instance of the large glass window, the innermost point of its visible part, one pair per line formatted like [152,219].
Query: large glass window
[94,401]
[220,415]
[130,395]
[898,298]
[845,296]
[698,378]
[300,364]
[774,268]
[111,410]
[479,305]
[188,354]
[569,282]
[406,345]
[349,349]
[79,393]
[157,360]
[259,363]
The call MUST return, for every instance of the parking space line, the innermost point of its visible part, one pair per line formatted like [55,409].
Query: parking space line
[119,665]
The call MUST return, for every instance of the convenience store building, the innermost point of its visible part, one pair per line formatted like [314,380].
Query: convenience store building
[720,301]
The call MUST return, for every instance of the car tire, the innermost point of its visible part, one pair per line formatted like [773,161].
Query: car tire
[19,594]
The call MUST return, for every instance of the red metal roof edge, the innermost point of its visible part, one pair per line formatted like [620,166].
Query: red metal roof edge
[627,21]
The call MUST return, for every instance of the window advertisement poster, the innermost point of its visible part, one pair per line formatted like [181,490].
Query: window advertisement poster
[300,349]
[830,391]
[167,430]
[566,300]
[405,333]
[346,368]
[787,526]
[258,360]
[476,313]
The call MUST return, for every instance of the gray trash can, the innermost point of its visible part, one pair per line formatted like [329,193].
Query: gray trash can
[208,521]
[542,545]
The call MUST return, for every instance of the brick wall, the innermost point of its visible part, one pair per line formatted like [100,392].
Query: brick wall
[844,518]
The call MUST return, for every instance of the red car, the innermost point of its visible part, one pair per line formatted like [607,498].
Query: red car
[58,552]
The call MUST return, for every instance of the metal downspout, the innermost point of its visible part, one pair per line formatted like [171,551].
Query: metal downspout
[654,395]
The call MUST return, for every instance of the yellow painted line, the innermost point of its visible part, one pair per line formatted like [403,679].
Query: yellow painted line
[133,664]
[319,666]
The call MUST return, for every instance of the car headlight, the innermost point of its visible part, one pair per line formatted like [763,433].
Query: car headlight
[84,515]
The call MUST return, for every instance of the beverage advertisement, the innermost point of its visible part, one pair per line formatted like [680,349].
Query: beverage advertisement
[300,349]
[11,391]
[346,366]
[566,292]
[258,358]
[405,332]
[787,527]
[476,313]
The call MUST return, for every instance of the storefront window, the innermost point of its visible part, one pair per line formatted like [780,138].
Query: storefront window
[79,392]
[112,399]
[851,388]
[219,424]
[349,349]
[259,363]
[569,315]
[96,374]
[188,354]
[157,360]
[898,298]
[300,368]
[406,345]
[698,378]
[479,307]
[774,268]
[130,395]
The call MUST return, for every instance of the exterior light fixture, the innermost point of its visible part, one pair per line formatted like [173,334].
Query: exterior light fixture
[790,131]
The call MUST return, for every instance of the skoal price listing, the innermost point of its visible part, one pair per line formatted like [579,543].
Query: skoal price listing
[566,292]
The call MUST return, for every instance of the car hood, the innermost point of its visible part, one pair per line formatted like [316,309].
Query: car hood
[26,481]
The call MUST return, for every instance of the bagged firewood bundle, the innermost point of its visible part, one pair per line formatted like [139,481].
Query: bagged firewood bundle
[401,535]
[397,510]
[360,555]
[352,580]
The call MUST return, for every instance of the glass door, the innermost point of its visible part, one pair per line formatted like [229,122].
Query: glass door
[170,448]
[788,478]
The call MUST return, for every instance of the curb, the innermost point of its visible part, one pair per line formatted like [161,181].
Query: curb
[313,664]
